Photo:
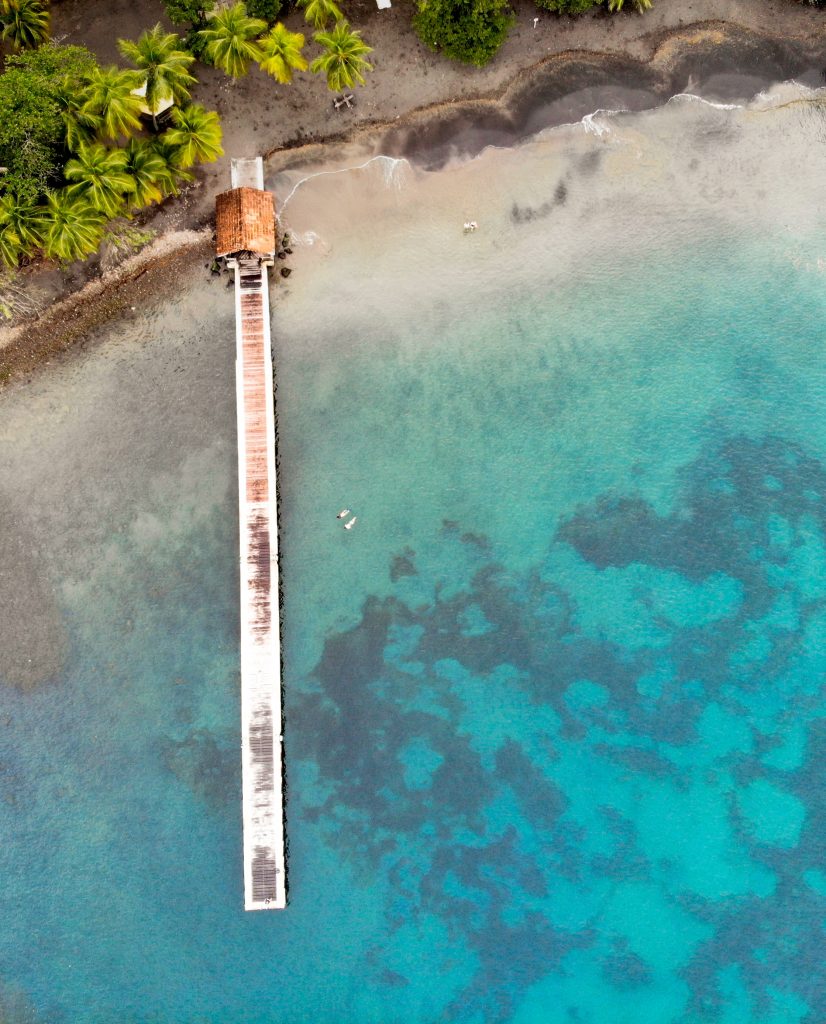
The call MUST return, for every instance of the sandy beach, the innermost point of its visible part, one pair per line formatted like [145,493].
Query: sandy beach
[418,105]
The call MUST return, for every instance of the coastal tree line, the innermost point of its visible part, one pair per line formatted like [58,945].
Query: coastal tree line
[81,144]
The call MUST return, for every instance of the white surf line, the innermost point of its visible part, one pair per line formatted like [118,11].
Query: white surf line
[704,101]
[340,170]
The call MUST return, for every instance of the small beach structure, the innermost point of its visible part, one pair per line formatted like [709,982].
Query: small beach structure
[245,238]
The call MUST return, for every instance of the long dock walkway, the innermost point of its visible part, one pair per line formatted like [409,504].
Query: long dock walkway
[261,717]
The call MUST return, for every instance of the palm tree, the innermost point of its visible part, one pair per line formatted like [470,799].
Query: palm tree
[319,12]
[150,172]
[24,22]
[24,218]
[195,135]
[231,39]
[100,176]
[110,96]
[641,5]
[81,127]
[165,66]
[344,62]
[282,53]
[10,245]
[174,173]
[73,227]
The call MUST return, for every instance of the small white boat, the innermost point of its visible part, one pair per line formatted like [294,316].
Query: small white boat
[349,526]
[344,512]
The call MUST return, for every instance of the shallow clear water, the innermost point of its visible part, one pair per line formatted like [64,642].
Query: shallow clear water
[553,708]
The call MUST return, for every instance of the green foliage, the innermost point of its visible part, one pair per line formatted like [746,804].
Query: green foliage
[568,6]
[25,219]
[73,228]
[230,38]
[122,238]
[24,23]
[11,246]
[99,175]
[470,31]
[175,173]
[266,10]
[188,12]
[32,124]
[164,65]
[109,97]
[150,172]
[282,55]
[641,5]
[80,127]
[343,60]
[319,12]
[60,183]
[195,136]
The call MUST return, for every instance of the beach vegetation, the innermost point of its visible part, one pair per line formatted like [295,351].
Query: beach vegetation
[11,247]
[109,97]
[164,65]
[32,126]
[24,23]
[195,136]
[80,126]
[152,175]
[72,227]
[188,12]
[282,54]
[63,175]
[470,31]
[641,5]
[320,12]
[343,60]
[122,238]
[194,14]
[24,219]
[100,176]
[231,39]
[175,172]
[568,6]
[266,10]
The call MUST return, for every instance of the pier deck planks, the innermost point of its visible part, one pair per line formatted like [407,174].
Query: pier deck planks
[262,753]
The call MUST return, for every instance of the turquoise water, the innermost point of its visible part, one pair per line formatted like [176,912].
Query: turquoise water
[554,708]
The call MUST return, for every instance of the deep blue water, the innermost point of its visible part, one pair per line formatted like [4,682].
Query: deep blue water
[554,710]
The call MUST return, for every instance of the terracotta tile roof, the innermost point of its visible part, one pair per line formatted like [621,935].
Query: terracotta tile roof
[244,222]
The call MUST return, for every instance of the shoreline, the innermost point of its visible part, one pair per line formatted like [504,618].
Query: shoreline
[721,61]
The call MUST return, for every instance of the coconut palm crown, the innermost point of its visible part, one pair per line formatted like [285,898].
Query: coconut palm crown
[165,65]
[343,62]
[24,219]
[282,53]
[230,39]
[24,23]
[81,126]
[319,12]
[72,227]
[100,176]
[10,245]
[109,96]
[195,135]
[152,177]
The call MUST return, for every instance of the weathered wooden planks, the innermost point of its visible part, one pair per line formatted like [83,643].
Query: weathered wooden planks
[262,748]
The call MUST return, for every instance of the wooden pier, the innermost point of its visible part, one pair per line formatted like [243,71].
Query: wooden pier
[245,237]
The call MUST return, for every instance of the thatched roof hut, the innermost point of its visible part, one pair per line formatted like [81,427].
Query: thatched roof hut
[245,222]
